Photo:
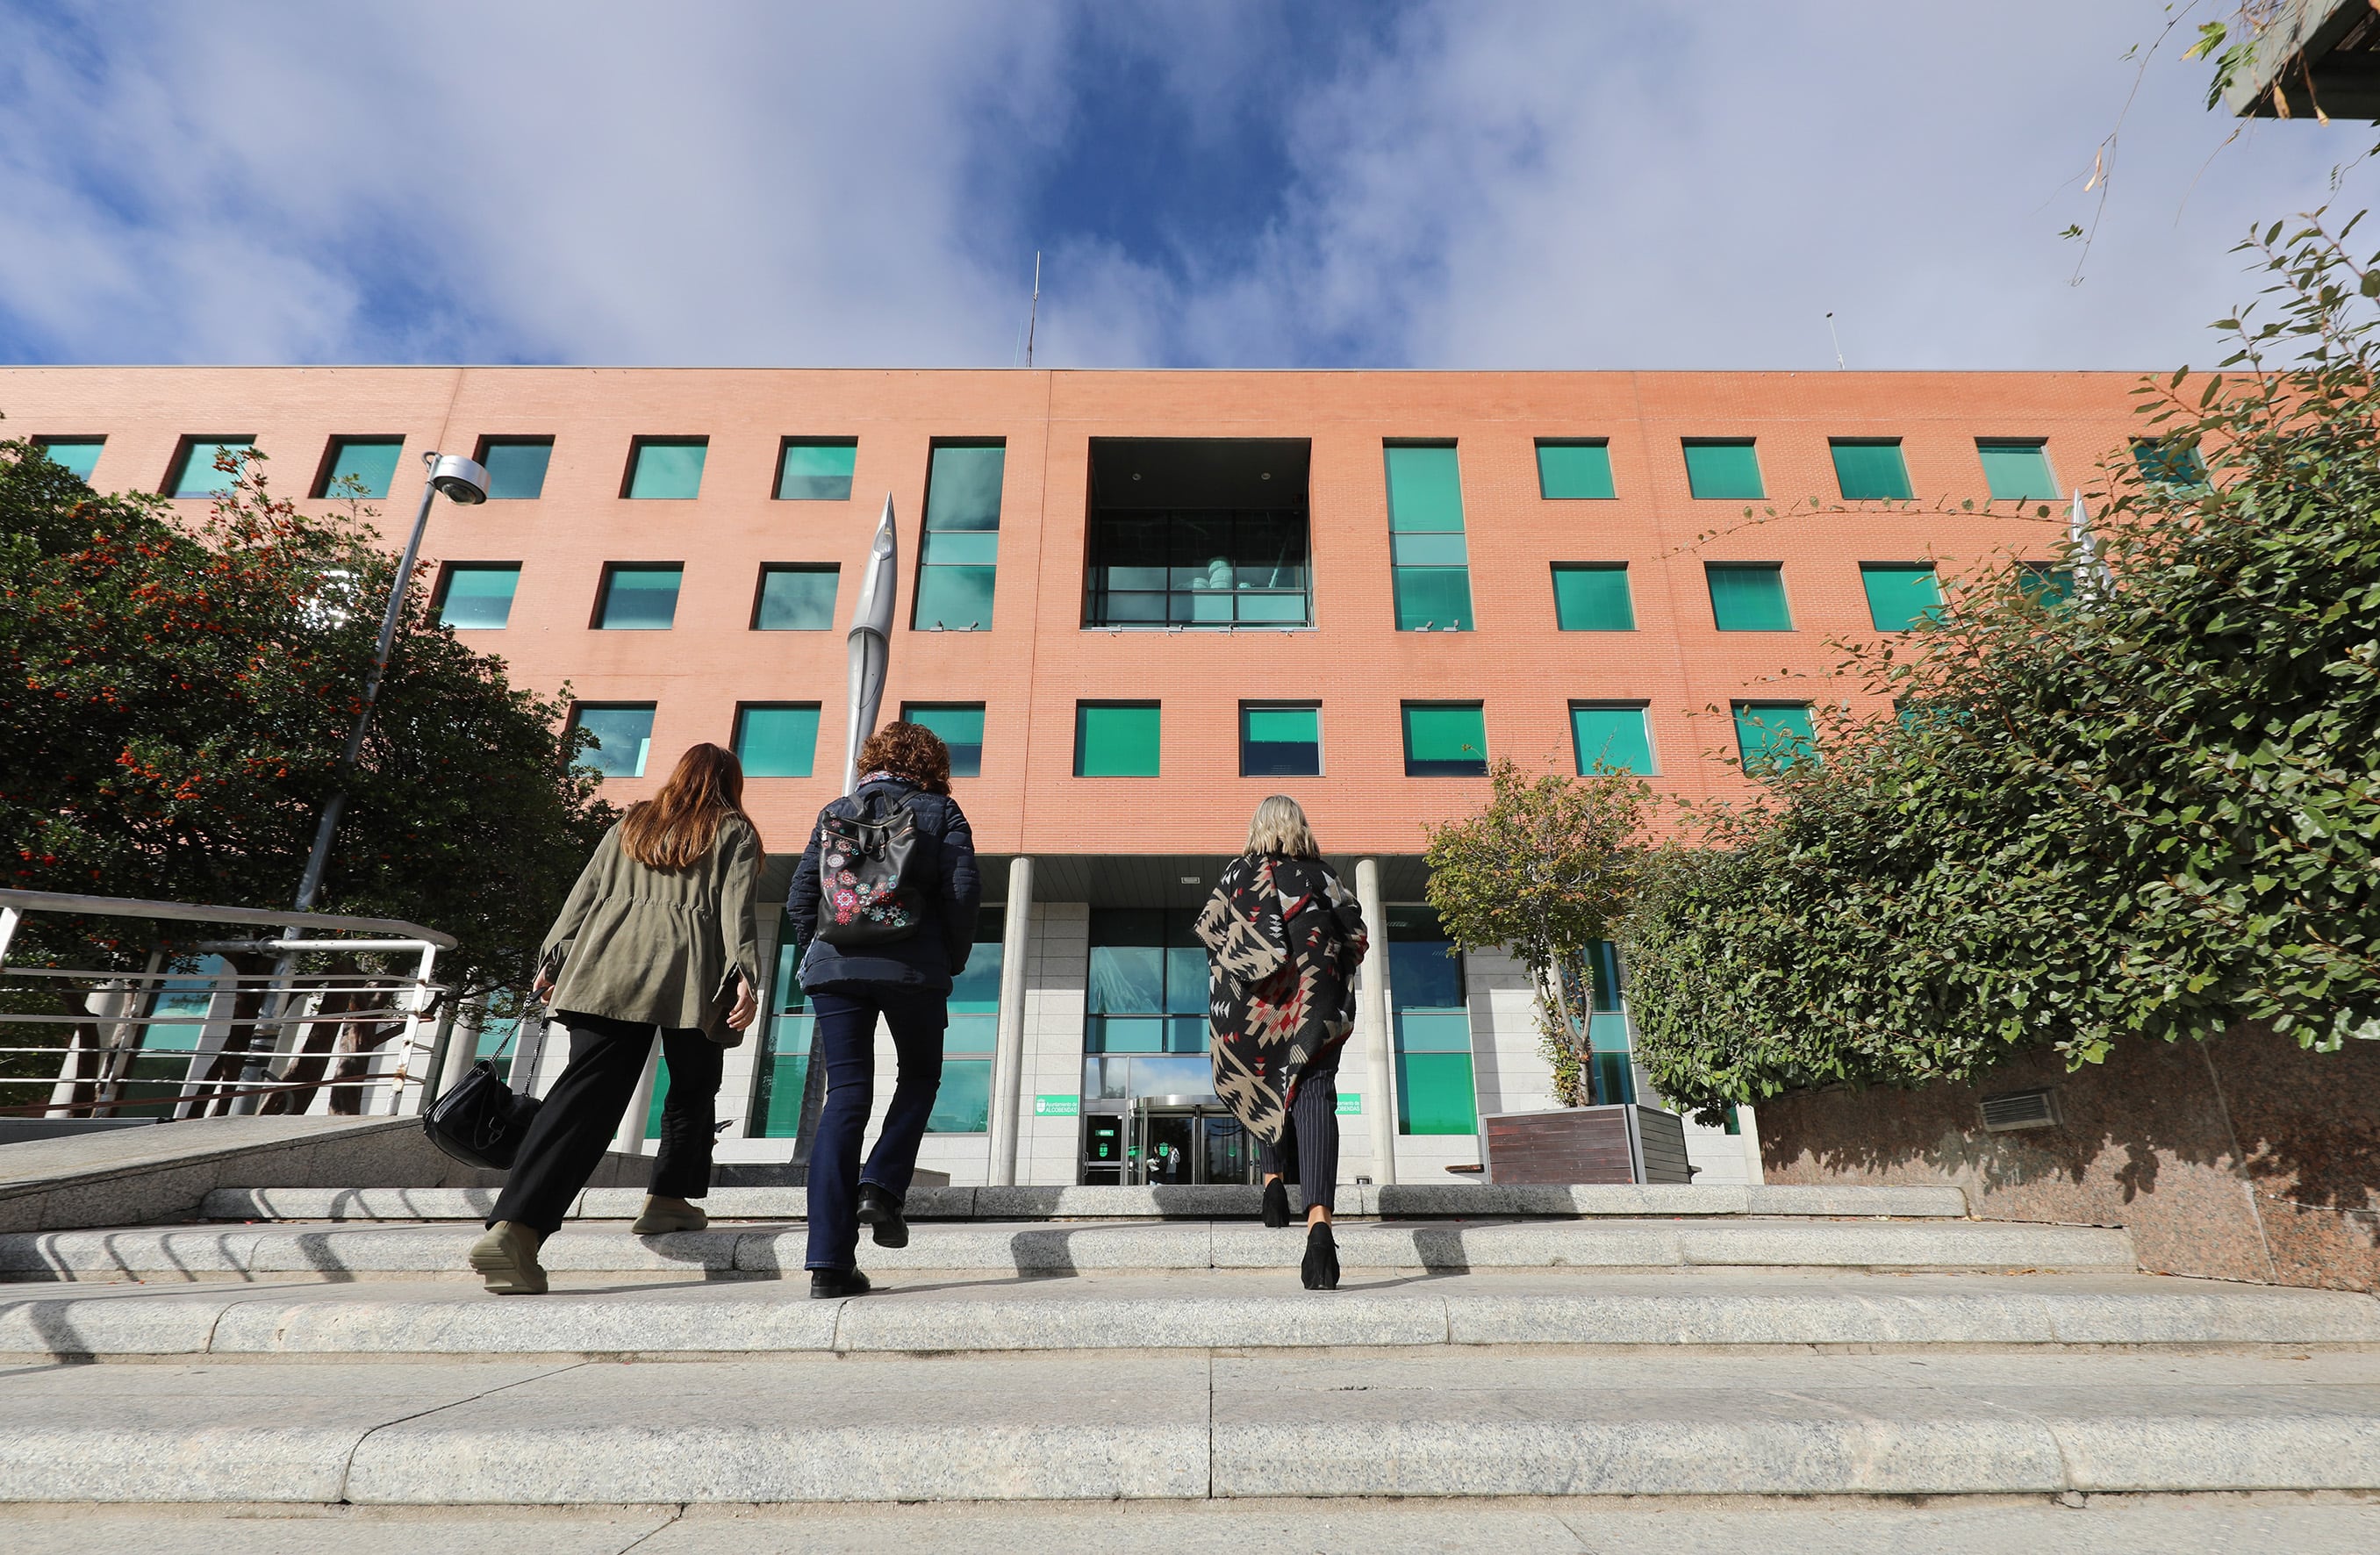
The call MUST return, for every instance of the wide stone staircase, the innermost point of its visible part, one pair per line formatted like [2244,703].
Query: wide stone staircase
[1787,1369]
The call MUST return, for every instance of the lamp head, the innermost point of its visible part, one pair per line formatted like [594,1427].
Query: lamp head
[462,480]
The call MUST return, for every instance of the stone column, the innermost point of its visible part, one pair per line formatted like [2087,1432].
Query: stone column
[1379,1063]
[1008,1057]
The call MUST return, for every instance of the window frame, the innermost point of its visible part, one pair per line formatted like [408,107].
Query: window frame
[926,531]
[446,574]
[770,569]
[604,594]
[788,444]
[1468,621]
[1086,705]
[489,441]
[326,471]
[1281,704]
[636,446]
[1640,707]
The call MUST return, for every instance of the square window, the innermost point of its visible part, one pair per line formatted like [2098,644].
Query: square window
[1445,739]
[1900,597]
[1574,471]
[796,599]
[1116,739]
[1724,468]
[515,467]
[665,468]
[959,547]
[639,598]
[2016,469]
[816,468]
[1610,734]
[1748,598]
[2166,464]
[1593,597]
[80,455]
[478,596]
[1770,735]
[2052,582]
[359,467]
[194,473]
[960,725]
[957,599]
[623,736]
[1280,741]
[1870,468]
[1425,487]
[777,739]
[1433,599]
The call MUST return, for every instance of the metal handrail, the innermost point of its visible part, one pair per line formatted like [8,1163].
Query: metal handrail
[185,912]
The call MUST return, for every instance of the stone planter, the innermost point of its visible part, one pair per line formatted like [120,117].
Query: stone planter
[1618,1143]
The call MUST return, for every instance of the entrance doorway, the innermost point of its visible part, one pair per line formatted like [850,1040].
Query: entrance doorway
[1169,1140]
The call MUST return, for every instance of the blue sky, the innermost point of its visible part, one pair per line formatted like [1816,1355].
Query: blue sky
[1327,183]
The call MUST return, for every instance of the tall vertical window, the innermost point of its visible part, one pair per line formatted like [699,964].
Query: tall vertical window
[515,467]
[1900,597]
[666,469]
[1279,740]
[1748,597]
[959,725]
[194,473]
[1145,1028]
[816,468]
[359,467]
[623,733]
[639,597]
[959,556]
[1611,1076]
[1445,739]
[1430,1022]
[1723,467]
[783,1064]
[1429,558]
[1569,472]
[1116,739]
[2016,469]
[1770,735]
[1593,597]
[776,740]
[80,455]
[1870,468]
[796,598]
[478,596]
[1610,734]
[963,1103]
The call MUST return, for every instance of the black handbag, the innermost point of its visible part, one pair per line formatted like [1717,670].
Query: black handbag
[481,1121]
[866,896]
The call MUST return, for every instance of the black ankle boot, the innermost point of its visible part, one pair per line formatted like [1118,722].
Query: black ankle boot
[826,1282]
[881,1212]
[1321,1270]
[1276,1204]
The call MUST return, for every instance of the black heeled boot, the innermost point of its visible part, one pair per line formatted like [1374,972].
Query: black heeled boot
[1321,1270]
[881,1213]
[1276,1204]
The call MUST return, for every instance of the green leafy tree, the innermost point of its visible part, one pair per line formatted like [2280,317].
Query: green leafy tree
[1544,871]
[2144,811]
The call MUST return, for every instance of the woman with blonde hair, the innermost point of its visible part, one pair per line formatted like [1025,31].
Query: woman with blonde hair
[1283,939]
[656,938]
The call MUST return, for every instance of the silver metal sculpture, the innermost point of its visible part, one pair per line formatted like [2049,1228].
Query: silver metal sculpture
[871,641]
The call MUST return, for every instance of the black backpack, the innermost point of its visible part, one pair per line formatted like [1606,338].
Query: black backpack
[868,894]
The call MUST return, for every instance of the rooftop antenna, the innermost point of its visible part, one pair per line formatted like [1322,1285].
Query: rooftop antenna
[1034,317]
[1833,336]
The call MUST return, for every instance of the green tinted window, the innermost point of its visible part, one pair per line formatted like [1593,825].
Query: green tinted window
[1572,470]
[1771,734]
[667,467]
[473,598]
[640,599]
[1898,598]
[1593,598]
[1870,469]
[2016,470]
[1424,488]
[1430,1026]
[795,600]
[1430,575]
[815,470]
[960,725]
[1433,599]
[1116,739]
[623,736]
[1281,742]
[78,455]
[957,598]
[777,739]
[2163,464]
[2047,580]
[195,474]
[783,1061]
[1749,599]
[515,467]
[1610,736]
[1445,739]
[361,467]
[1728,469]
[960,545]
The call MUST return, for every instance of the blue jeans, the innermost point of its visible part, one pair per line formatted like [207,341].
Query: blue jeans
[846,1029]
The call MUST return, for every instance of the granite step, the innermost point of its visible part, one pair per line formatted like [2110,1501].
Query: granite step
[775,1251]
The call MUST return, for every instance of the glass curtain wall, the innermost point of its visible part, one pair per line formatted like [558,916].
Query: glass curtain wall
[1145,1031]
[1431,1021]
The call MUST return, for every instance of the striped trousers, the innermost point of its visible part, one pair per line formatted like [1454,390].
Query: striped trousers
[1308,1152]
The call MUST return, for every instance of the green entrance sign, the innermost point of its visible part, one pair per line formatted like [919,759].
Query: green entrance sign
[1350,1105]
[1057,1106]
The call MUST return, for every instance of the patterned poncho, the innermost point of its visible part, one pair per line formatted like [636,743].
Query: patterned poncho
[1283,939]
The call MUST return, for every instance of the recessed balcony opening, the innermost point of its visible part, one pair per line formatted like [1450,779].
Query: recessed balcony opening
[1198,533]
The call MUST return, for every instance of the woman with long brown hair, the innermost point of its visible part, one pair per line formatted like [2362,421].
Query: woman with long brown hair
[657,937]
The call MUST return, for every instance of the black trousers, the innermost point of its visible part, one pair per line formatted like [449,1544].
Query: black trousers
[1308,1152]
[572,1130]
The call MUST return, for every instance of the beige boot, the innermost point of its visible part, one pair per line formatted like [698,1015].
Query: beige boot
[664,1215]
[506,1258]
